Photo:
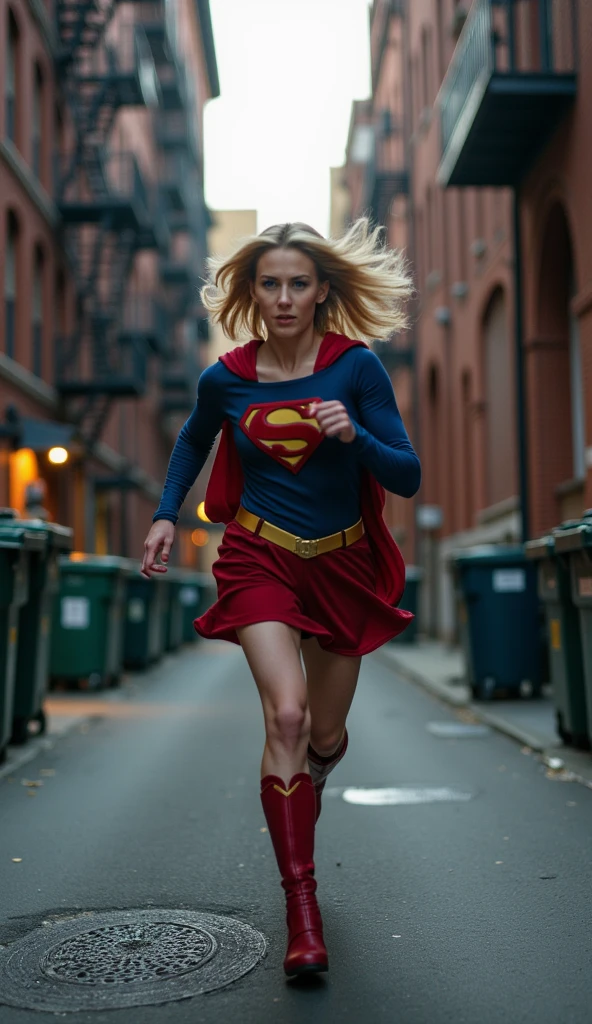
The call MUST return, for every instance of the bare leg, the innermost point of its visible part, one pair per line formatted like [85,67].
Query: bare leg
[273,653]
[331,683]
[272,650]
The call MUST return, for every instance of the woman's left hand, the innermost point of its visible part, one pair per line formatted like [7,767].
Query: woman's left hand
[333,419]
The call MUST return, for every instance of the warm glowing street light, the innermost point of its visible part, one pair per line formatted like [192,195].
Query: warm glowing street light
[201,512]
[200,538]
[57,456]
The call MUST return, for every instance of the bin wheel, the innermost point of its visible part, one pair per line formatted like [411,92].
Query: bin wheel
[20,731]
[41,719]
[485,689]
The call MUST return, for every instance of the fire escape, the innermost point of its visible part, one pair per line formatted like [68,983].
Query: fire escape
[108,212]
[180,178]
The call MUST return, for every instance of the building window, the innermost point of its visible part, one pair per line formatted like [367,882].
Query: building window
[10,285]
[10,78]
[37,123]
[37,314]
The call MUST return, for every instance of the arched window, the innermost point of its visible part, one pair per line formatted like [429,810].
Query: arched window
[501,464]
[37,313]
[10,284]
[11,78]
[37,123]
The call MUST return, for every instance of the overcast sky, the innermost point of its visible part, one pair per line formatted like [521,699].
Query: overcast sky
[288,74]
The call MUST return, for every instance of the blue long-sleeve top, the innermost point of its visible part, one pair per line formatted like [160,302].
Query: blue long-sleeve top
[294,476]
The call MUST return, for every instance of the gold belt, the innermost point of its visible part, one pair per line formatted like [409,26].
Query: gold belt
[298,545]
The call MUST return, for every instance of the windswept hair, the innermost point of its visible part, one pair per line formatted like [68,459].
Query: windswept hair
[368,282]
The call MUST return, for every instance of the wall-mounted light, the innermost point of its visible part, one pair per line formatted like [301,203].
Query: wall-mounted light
[201,512]
[57,456]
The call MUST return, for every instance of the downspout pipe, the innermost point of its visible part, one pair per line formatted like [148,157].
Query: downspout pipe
[520,374]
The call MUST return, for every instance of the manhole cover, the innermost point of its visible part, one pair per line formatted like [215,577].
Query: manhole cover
[126,958]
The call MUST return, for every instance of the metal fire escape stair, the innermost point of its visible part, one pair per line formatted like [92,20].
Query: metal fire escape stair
[102,203]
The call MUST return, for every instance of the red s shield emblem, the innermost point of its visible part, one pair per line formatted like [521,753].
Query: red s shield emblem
[284,430]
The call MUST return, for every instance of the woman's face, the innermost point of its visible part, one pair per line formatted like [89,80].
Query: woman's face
[287,290]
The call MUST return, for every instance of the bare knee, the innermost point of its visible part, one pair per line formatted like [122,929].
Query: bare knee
[288,725]
[325,739]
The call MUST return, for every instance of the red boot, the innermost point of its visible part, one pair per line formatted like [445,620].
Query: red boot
[290,815]
[321,767]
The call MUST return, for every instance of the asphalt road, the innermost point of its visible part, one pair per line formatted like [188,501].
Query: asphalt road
[475,910]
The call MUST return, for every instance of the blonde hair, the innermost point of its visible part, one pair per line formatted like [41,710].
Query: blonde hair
[368,282]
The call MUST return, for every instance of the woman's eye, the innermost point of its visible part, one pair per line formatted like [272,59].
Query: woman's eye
[269,284]
[300,284]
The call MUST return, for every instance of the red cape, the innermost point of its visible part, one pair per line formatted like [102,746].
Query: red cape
[225,487]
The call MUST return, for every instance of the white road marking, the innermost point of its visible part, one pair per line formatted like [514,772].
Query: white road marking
[388,796]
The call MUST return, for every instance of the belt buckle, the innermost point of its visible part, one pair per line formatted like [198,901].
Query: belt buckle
[306,548]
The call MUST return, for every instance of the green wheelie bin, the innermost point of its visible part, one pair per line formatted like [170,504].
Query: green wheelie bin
[409,602]
[500,620]
[16,546]
[143,641]
[575,541]
[563,638]
[87,628]
[32,663]
[190,599]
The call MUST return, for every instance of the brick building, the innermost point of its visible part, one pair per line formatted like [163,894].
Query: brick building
[496,135]
[103,234]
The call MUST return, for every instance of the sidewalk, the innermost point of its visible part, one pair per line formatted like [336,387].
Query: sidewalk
[440,669]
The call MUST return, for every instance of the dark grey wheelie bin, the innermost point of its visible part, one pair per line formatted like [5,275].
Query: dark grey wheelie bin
[575,541]
[500,620]
[144,618]
[87,628]
[173,625]
[190,599]
[32,665]
[563,639]
[16,545]
[409,602]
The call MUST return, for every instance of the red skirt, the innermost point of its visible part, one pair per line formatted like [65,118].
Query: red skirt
[331,597]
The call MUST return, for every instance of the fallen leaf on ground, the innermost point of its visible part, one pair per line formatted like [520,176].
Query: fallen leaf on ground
[16,860]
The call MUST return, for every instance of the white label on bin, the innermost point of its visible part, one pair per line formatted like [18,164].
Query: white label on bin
[136,609]
[585,586]
[75,613]
[188,595]
[509,581]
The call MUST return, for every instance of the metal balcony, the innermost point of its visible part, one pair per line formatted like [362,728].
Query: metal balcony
[179,383]
[158,21]
[386,175]
[123,67]
[145,321]
[108,186]
[97,365]
[511,81]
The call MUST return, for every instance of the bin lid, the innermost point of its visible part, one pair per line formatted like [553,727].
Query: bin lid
[490,554]
[542,547]
[573,535]
[80,561]
[16,534]
[58,536]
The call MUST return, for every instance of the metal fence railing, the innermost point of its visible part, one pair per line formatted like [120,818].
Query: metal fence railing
[526,38]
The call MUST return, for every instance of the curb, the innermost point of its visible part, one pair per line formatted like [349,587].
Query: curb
[579,767]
